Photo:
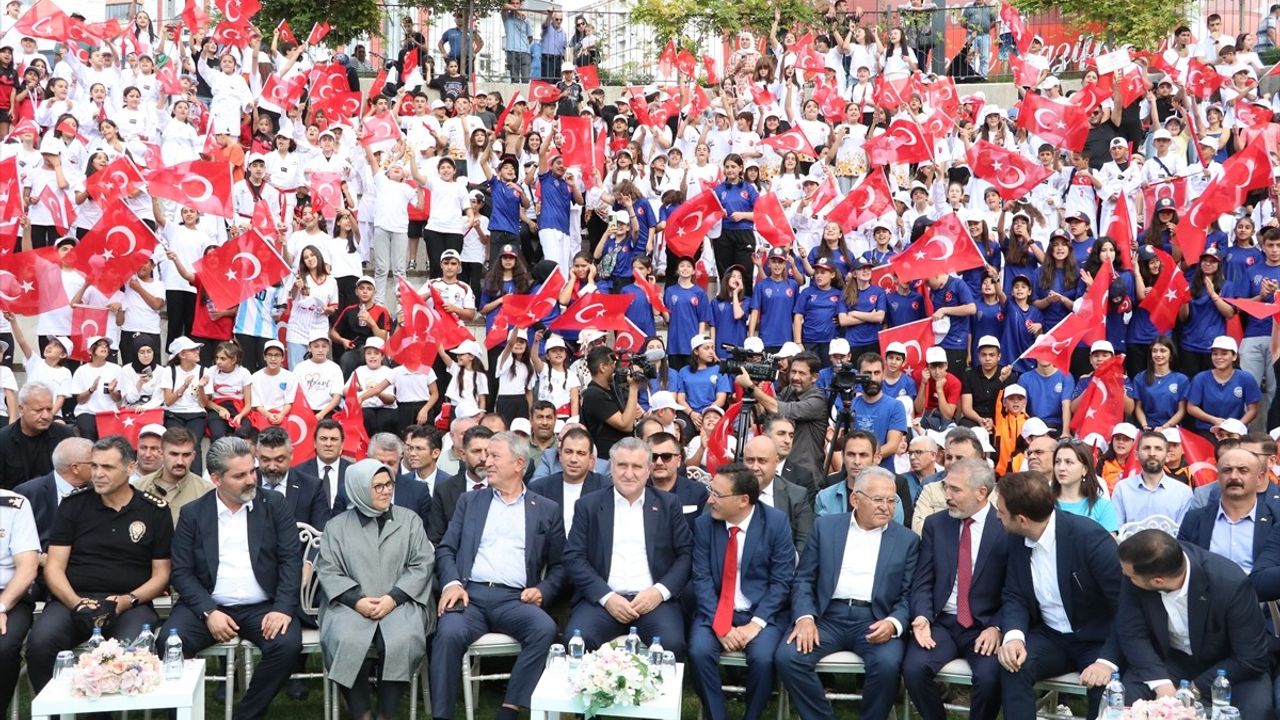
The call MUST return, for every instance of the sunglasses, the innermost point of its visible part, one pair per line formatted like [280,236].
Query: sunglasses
[665,457]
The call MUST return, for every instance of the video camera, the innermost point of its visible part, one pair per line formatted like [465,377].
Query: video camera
[759,370]
[638,365]
[845,377]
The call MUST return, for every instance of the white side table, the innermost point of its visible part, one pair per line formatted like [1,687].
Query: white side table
[185,694]
[551,697]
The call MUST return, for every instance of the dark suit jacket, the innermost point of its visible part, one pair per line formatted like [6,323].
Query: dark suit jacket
[1197,529]
[42,492]
[308,502]
[543,546]
[798,474]
[940,559]
[796,505]
[443,501]
[588,553]
[692,496]
[411,494]
[1224,622]
[274,552]
[1088,578]
[308,468]
[767,569]
[819,569]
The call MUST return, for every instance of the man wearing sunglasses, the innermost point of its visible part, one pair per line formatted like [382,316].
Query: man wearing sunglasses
[666,473]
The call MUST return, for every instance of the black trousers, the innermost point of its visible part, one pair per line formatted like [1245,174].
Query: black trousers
[437,243]
[181,306]
[279,654]
[19,623]
[735,247]
[1049,653]
[251,351]
[56,630]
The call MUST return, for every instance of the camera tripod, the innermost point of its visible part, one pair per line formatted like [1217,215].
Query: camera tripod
[844,422]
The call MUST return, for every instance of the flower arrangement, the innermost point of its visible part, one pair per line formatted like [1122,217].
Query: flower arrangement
[612,676]
[112,669]
[1165,708]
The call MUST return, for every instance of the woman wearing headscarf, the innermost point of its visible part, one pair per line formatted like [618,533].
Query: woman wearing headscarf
[375,569]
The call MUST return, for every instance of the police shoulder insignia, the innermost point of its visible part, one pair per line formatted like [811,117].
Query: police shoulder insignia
[159,501]
[12,500]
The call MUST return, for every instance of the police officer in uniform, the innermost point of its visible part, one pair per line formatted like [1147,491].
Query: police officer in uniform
[108,558]
[19,559]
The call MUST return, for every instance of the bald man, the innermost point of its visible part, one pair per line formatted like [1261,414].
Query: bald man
[761,456]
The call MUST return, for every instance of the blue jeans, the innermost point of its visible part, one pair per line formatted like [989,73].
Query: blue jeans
[982,43]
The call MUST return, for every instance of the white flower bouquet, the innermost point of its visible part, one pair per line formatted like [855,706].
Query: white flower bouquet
[611,676]
[112,669]
[1165,708]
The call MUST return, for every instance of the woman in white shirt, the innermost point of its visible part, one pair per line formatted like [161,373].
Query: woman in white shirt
[88,211]
[179,141]
[136,121]
[96,386]
[897,61]
[140,380]
[231,94]
[315,298]
[373,388]
[143,298]
[515,375]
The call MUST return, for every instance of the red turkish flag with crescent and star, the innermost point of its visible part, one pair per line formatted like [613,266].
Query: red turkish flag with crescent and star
[689,224]
[916,336]
[630,340]
[543,92]
[31,282]
[718,451]
[946,247]
[355,439]
[771,221]
[119,178]
[1199,456]
[522,311]
[903,142]
[127,423]
[1101,404]
[1012,174]
[1063,126]
[284,93]
[1202,80]
[326,187]
[379,129]
[594,310]
[651,291]
[86,322]
[43,20]
[412,344]
[286,33]
[239,269]
[1167,296]
[238,11]
[114,248]
[1057,345]
[793,140]
[201,184]
[866,201]
[1017,26]
[319,31]
[61,207]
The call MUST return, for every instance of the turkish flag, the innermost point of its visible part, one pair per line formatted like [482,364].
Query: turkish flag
[284,32]
[543,92]
[318,32]
[446,325]
[263,222]
[301,425]
[1095,303]
[594,310]
[630,340]
[201,184]
[1202,80]
[127,423]
[667,59]
[1025,74]
[1057,345]
[113,250]
[651,291]
[1063,126]
[1011,173]
[339,106]
[168,77]
[522,311]
[86,322]
[238,11]
[43,20]
[1133,84]
[686,64]
[690,223]
[1090,96]
[823,196]
[31,282]
[771,221]
[943,96]
[11,209]
[916,336]
[239,269]
[326,191]
[810,61]
[709,64]
[761,97]
[379,129]
[1259,310]
[1249,169]
[589,75]
[194,18]
[355,439]
[60,206]
[830,103]
[233,34]
[1174,188]
[882,277]
[285,94]
[1102,403]
[939,123]
[1252,115]
[1022,37]
[889,94]
[718,451]
[946,247]
[1169,293]
[576,142]
[328,80]
[1199,455]
[866,201]
[412,344]
[1120,229]
[904,142]
[699,102]
[118,178]
[793,140]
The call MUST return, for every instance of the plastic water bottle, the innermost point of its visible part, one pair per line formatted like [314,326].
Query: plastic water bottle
[95,639]
[1184,696]
[1115,698]
[655,652]
[632,643]
[577,649]
[173,655]
[1221,690]
[146,640]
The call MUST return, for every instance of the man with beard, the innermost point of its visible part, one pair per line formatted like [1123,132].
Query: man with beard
[577,476]
[873,411]
[174,481]
[233,591]
[802,402]
[542,435]
[860,452]
[961,444]
[1153,491]
[475,442]
[306,499]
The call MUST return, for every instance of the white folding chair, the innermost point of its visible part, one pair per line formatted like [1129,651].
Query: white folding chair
[489,645]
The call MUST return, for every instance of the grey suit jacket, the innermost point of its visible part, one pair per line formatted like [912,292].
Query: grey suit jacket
[793,501]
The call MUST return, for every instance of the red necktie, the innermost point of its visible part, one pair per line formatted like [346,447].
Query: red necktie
[964,575]
[723,621]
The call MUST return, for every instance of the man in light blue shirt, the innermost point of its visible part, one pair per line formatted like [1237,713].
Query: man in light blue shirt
[517,34]
[1151,492]
[553,46]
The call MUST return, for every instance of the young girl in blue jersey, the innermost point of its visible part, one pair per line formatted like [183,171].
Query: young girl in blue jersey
[640,311]
[1141,332]
[1205,317]
[817,309]
[1159,231]
[508,276]
[989,319]
[689,313]
[773,300]
[833,248]
[1120,296]
[904,305]
[1059,284]
[1242,255]
[1022,323]
[883,252]
[730,310]
[864,311]
[992,257]
[1159,391]
[701,382]
[667,379]
[615,251]
[1022,254]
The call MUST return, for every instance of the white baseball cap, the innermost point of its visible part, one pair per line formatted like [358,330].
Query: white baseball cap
[179,344]
[472,348]
[935,355]
[466,409]
[555,341]
[522,425]
[1015,389]
[451,255]
[274,344]
[839,346]
[1225,342]
[1172,435]
[698,341]
[1102,346]
[153,429]
[318,334]
[588,336]
[753,344]
[896,347]
[1034,428]
[663,400]
[788,349]
[1128,430]
[376,343]
[1233,426]
[988,341]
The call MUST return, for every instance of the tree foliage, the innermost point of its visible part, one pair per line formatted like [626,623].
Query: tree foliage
[350,18]
[685,18]
[1140,23]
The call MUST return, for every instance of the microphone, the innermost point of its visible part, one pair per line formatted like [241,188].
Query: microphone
[655,355]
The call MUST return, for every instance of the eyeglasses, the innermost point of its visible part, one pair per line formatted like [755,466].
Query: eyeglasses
[384,487]
[920,452]
[720,495]
[664,457]
[890,500]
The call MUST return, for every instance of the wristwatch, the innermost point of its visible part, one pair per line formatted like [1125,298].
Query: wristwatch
[133,600]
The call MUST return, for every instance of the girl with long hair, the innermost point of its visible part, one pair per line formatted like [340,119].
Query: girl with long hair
[1205,317]
[227,391]
[314,297]
[515,377]
[1160,391]
[554,382]
[864,312]
[730,309]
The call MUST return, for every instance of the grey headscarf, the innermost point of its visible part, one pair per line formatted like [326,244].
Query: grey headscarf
[360,485]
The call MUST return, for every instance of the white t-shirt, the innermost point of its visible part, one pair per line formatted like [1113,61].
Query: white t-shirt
[510,383]
[138,315]
[556,387]
[220,386]
[476,384]
[367,377]
[308,310]
[100,400]
[473,250]
[58,378]
[412,386]
[449,203]
[172,377]
[272,392]
[391,204]
[320,381]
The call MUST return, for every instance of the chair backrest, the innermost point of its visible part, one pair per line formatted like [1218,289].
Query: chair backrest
[310,588]
[1151,522]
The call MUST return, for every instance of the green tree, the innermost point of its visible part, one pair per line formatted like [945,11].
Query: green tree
[1140,23]
[685,18]
[350,18]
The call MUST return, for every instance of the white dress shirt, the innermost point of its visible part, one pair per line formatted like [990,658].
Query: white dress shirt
[766,493]
[858,567]
[629,564]
[975,539]
[332,486]
[236,584]
[1175,605]
[1044,576]
[740,602]
[572,491]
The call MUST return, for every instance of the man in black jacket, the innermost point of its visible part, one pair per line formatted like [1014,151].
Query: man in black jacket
[475,442]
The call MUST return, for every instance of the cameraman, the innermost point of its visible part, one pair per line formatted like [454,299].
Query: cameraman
[603,415]
[802,402]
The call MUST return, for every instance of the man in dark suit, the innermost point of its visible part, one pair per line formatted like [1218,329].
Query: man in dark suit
[761,455]
[1186,613]
[237,566]
[386,448]
[471,476]
[956,595]
[628,556]
[743,565]
[850,593]
[1061,590]
[422,445]
[328,467]
[306,499]
[783,432]
[498,566]
[576,477]
[71,471]
[667,455]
